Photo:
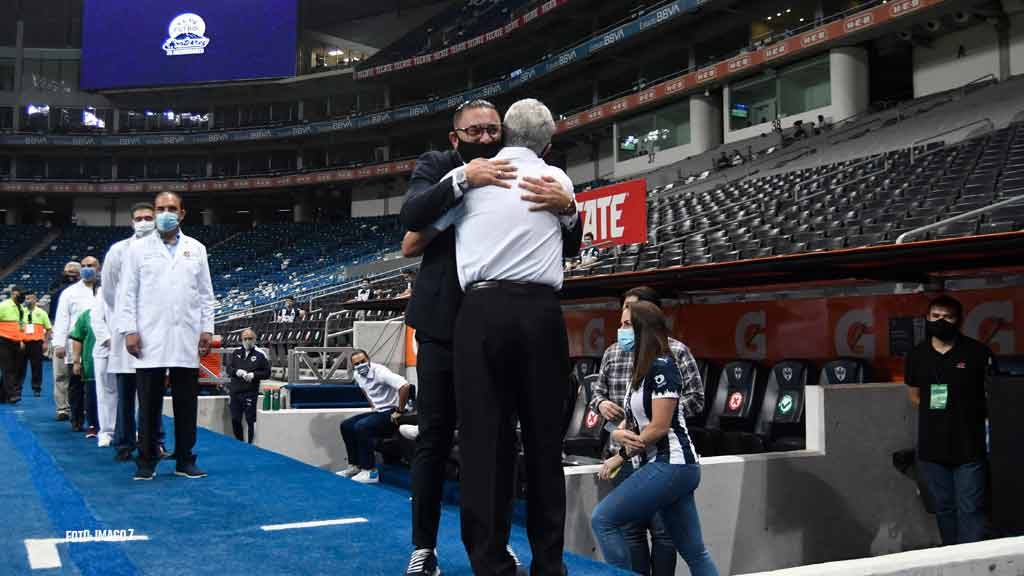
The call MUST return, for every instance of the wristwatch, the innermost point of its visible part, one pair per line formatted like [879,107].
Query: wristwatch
[460,180]
[569,209]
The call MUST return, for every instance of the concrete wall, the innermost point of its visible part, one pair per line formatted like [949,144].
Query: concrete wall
[838,500]
[384,341]
[941,66]
[1004,557]
[379,199]
[582,166]
[213,414]
[1017,44]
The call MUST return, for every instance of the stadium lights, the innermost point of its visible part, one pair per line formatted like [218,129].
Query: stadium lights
[335,52]
[769,18]
[788,10]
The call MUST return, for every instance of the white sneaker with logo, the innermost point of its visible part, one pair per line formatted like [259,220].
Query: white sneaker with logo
[348,472]
[367,477]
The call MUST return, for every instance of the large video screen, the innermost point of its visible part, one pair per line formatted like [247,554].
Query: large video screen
[141,43]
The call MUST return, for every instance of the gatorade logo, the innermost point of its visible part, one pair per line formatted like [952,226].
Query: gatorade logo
[786,404]
[593,337]
[591,419]
[750,338]
[735,401]
[991,323]
[854,335]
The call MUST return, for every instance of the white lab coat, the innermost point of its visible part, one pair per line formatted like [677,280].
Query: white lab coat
[74,300]
[106,384]
[119,361]
[168,301]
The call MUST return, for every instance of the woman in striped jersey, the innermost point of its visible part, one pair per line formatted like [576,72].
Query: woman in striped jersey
[654,436]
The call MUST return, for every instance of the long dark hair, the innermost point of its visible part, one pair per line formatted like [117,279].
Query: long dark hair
[650,328]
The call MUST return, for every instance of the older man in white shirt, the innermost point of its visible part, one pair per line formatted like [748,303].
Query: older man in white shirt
[511,353]
[74,300]
[165,312]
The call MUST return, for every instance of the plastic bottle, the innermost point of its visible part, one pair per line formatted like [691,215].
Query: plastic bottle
[276,401]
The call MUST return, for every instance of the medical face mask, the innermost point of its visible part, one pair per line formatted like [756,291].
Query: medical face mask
[166,221]
[248,343]
[143,227]
[88,274]
[363,369]
[627,339]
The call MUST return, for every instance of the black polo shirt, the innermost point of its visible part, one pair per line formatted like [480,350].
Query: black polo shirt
[951,418]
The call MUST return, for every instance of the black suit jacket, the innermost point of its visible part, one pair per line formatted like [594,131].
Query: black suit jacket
[436,296]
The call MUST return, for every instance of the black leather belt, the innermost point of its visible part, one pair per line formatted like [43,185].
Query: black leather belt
[518,284]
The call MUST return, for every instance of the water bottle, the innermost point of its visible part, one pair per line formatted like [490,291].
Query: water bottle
[266,400]
[276,401]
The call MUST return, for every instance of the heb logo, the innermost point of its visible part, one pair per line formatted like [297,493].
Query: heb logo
[775,51]
[814,38]
[859,21]
[595,114]
[707,74]
[620,105]
[739,63]
[647,96]
[675,86]
[901,8]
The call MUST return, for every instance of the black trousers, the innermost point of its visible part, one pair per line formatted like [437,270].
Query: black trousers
[243,403]
[511,360]
[76,397]
[33,357]
[435,415]
[10,368]
[185,394]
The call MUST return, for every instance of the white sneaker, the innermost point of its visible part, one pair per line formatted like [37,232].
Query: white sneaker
[409,431]
[348,472]
[105,439]
[367,477]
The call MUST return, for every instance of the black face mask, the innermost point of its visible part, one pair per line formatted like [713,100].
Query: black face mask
[70,279]
[470,151]
[18,299]
[945,331]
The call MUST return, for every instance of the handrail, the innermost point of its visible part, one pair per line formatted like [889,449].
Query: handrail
[914,156]
[749,216]
[903,237]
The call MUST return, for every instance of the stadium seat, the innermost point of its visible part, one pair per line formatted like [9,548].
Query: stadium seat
[844,371]
[735,407]
[586,435]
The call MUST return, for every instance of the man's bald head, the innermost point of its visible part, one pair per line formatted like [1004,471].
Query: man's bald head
[91,262]
[248,333]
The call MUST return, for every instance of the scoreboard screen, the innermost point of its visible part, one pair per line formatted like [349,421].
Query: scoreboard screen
[143,43]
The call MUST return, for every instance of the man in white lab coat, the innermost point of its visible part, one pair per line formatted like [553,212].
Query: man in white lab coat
[106,387]
[165,311]
[120,364]
[74,300]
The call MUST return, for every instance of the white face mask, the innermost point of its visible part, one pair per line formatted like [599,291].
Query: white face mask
[248,344]
[143,227]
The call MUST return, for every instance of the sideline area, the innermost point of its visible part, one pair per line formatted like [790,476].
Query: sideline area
[69,504]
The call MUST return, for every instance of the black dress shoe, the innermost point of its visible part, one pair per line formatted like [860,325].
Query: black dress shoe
[62,417]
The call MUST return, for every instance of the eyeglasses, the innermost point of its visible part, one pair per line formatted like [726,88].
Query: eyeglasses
[477,130]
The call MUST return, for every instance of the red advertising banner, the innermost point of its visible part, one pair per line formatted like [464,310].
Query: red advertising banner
[303,179]
[874,328]
[485,38]
[805,42]
[615,214]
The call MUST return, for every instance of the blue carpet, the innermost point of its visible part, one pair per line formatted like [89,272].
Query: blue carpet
[56,480]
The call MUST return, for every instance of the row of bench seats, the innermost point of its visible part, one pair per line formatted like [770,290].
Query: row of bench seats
[748,408]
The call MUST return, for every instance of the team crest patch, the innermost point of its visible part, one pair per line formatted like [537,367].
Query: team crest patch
[186,35]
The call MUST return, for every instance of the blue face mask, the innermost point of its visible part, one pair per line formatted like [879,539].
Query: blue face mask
[363,369]
[627,339]
[88,274]
[166,221]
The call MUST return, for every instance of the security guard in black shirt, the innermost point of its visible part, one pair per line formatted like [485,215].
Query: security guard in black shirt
[948,376]
[246,366]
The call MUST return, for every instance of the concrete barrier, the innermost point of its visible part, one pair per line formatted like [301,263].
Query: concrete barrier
[1003,557]
[839,499]
[310,436]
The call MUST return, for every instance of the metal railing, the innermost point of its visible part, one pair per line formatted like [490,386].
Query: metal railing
[966,215]
[914,156]
[338,372]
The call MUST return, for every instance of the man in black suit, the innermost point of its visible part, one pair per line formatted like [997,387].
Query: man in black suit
[436,296]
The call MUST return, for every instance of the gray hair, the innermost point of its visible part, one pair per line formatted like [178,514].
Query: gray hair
[528,124]
[72,265]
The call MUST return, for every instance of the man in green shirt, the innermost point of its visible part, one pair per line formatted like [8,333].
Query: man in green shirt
[83,340]
[35,335]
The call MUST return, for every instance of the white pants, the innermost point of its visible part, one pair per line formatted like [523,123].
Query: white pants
[106,396]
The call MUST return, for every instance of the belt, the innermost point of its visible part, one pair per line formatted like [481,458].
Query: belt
[491,284]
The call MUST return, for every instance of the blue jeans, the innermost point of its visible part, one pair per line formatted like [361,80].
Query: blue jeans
[655,487]
[360,433]
[658,558]
[959,496]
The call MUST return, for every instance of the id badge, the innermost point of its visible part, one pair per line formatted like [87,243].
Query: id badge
[939,396]
[30,328]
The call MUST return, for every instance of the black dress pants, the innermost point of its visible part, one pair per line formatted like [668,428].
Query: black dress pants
[10,370]
[511,361]
[435,415]
[185,393]
[33,358]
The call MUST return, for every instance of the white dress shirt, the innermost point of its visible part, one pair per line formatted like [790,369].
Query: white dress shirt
[496,235]
[74,300]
